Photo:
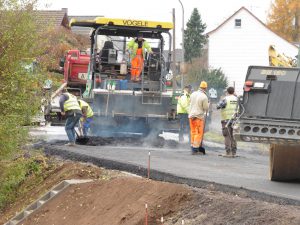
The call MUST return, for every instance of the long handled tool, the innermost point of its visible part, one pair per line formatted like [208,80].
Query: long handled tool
[81,139]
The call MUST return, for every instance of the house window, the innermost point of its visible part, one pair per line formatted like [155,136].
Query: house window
[238,23]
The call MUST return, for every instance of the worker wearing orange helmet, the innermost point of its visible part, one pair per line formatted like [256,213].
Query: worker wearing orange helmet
[137,48]
[198,108]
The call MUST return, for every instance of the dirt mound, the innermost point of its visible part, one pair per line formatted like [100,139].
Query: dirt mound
[122,201]
[114,198]
[32,188]
[216,208]
[118,201]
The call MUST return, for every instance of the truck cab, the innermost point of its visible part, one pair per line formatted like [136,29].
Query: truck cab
[75,68]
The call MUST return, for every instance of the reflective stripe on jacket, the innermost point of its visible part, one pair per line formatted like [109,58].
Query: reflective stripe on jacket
[230,108]
[183,104]
[82,104]
[133,45]
[71,103]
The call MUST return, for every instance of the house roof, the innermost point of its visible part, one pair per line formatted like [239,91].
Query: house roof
[244,8]
[56,18]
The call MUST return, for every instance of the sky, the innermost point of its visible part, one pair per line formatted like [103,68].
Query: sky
[212,12]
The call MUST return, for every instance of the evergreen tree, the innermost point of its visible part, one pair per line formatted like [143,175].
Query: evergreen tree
[194,39]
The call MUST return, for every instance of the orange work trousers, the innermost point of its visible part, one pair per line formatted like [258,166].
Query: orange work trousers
[196,127]
[137,64]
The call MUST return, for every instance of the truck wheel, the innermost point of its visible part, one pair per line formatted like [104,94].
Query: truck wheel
[284,162]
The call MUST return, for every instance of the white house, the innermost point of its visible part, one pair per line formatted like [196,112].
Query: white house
[240,41]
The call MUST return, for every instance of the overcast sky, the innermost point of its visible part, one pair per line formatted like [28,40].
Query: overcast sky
[213,12]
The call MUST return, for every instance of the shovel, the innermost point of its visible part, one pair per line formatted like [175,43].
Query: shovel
[81,140]
[201,148]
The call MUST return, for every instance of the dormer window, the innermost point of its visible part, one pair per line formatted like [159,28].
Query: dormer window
[238,23]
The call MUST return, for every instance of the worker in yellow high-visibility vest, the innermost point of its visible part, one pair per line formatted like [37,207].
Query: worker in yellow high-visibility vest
[87,116]
[70,108]
[228,108]
[183,106]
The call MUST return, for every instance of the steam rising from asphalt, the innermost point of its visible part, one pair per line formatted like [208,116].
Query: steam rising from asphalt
[121,120]
[124,115]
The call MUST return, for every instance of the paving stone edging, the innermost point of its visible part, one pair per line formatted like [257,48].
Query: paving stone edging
[42,200]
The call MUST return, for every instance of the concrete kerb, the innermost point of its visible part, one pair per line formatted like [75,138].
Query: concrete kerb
[42,200]
[167,177]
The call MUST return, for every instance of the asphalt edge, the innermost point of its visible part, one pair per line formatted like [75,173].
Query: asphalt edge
[167,177]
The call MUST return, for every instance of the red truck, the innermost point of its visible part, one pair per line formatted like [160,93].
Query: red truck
[75,67]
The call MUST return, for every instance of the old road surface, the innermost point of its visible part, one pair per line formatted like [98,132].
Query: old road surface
[246,174]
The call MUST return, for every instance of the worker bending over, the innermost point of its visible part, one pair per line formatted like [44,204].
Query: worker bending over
[87,116]
[70,108]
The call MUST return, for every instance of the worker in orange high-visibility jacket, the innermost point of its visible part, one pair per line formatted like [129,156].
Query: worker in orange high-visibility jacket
[198,108]
[137,48]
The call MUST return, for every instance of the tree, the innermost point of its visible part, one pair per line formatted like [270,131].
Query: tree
[56,41]
[284,20]
[215,78]
[194,39]
[19,88]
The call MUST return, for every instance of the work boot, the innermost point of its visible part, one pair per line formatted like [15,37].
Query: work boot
[202,150]
[233,152]
[228,152]
[132,78]
[195,151]
[71,144]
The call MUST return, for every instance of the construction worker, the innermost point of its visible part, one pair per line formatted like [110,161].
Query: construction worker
[87,116]
[183,105]
[70,108]
[198,110]
[137,48]
[228,107]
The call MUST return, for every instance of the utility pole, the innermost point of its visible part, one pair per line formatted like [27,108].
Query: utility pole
[174,54]
[182,30]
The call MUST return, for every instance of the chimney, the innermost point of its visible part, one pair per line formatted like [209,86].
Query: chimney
[65,10]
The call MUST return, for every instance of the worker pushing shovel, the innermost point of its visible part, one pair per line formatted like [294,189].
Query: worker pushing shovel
[198,111]
[84,122]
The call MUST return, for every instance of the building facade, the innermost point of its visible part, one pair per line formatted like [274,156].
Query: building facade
[240,41]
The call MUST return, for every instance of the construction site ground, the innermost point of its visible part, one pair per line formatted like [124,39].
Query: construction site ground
[173,162]
[191,194]
[119,198]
